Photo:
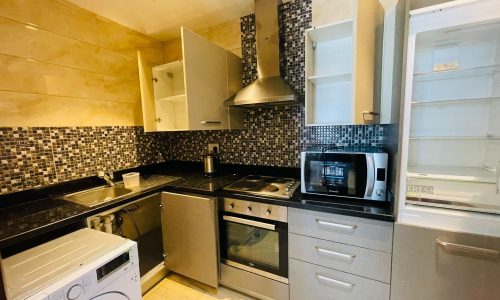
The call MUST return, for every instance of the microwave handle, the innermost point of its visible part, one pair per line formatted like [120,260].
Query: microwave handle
[370,175]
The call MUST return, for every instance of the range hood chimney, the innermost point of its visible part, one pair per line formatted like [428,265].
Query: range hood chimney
[269,88]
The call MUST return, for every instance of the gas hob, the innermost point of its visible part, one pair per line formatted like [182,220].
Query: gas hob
[267,186]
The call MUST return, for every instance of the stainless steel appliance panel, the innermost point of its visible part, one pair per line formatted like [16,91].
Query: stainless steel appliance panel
[190,237]
[435,264]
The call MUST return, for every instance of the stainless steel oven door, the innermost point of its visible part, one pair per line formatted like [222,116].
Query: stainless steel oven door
[256,245]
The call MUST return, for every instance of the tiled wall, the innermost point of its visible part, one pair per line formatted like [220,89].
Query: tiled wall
[36,156]
[63,66]
[275,135]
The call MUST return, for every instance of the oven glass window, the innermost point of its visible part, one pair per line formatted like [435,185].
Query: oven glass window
[254,245]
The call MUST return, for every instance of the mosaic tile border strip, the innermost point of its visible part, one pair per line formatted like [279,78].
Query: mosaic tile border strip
[36,156]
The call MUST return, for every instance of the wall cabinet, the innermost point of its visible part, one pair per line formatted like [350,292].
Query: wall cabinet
[341,256]
[189,94]
[342,62]
[443,265]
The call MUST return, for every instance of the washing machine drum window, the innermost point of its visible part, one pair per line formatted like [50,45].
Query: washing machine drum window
[111,296]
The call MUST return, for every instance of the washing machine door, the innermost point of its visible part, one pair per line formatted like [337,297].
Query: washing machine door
[112,295]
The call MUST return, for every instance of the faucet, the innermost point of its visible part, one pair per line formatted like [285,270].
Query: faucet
[108,177]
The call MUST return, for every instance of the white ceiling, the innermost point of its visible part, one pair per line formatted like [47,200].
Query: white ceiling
[162,19]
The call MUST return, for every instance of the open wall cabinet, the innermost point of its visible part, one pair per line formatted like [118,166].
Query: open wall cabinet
[189,94]
[342,68]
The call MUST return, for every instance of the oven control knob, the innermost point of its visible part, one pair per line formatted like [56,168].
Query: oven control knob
[231,206]
[380,192]
[249,209]
[268,213]
[287,189]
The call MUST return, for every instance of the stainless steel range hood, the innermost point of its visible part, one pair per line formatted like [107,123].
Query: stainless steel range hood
[269,88]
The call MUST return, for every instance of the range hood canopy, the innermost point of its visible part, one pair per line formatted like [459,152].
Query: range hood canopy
[269,88]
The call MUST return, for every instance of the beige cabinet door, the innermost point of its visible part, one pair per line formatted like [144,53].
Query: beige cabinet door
[147,94]
[206,82]
[434,264]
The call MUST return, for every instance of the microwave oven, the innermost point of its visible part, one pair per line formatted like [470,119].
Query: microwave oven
[354,172]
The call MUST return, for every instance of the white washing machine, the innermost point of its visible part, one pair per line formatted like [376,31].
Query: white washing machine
[84,265]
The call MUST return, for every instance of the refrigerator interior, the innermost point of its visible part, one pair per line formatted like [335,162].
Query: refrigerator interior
[454,147]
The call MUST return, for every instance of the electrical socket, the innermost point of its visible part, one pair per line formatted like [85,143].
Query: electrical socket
[212,146]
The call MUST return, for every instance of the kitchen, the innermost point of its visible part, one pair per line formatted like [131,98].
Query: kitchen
[324,195]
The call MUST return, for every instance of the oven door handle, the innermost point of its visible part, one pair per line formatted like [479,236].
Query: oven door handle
[250,222]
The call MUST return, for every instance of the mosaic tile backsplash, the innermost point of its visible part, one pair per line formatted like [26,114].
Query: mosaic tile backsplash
[33,157]
[275,135]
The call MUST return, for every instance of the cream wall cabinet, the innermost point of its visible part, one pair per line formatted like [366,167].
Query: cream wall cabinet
[342,68]
[189,94]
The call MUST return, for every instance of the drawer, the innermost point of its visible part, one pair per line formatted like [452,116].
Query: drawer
[367,233]
[308,281]
[359,261]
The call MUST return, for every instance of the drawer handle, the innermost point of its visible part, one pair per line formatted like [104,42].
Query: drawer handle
[337,225]
[468,249]
[337,254]
[344,285]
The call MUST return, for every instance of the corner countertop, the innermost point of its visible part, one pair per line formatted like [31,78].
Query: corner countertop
[25,215]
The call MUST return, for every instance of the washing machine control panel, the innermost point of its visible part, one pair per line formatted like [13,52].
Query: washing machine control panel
[92,281]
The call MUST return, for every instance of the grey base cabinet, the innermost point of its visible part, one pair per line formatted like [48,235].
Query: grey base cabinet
[338,257]
[434,264]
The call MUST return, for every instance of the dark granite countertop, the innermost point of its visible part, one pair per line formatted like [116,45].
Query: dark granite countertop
[27,214]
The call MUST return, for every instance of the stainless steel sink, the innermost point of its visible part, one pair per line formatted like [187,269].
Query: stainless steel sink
[98,195]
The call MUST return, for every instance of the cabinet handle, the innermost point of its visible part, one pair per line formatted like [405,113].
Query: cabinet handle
[468,249]
[336,282]
[205,122]
[337,254]
[337,225]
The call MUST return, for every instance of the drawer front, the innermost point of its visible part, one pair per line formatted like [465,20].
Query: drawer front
[308,281]
[359,261]
[371,234]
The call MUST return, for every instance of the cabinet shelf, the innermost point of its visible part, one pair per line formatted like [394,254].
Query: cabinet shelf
[458,73]
[455,101]
[331,78]
[468,174]
[175,98]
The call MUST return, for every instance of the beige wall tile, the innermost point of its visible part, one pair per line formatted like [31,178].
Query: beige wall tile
[227,35]
[119,39]
[172,50]
[31,110]
[23,75]
[121,89]
[38,44]
[331,11]
[52,16]
[118,65]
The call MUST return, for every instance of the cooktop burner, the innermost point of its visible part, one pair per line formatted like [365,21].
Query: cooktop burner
[276,187]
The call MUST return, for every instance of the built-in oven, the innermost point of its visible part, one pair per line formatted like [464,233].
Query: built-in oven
[254,237]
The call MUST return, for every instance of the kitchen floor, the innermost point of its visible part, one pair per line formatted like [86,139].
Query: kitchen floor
[177,287]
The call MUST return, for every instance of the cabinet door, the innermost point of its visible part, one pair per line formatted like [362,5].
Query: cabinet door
[147,94]
[425,267]
[189,236]
[206,82]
